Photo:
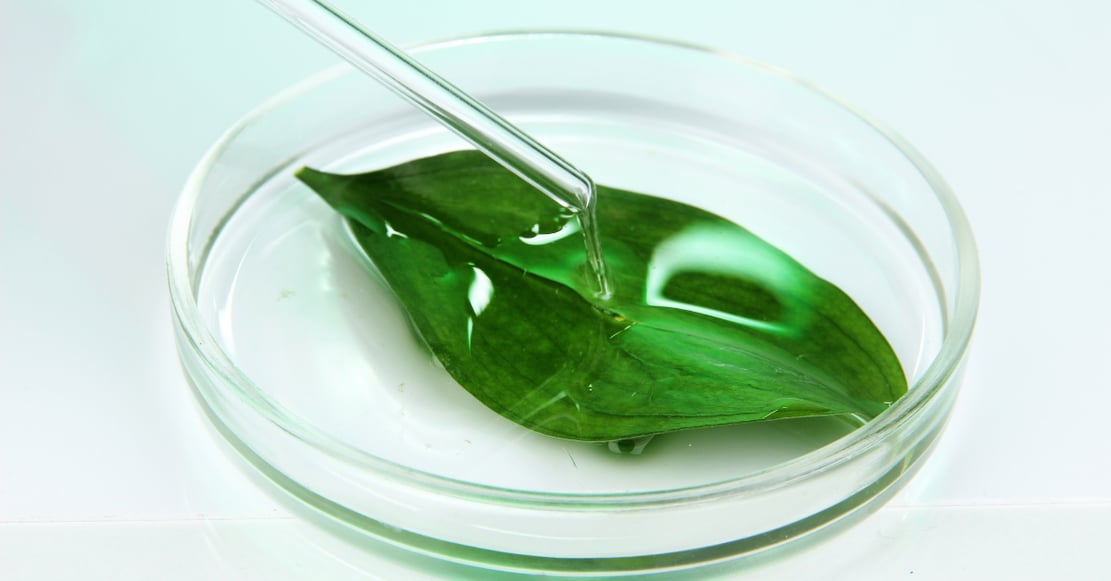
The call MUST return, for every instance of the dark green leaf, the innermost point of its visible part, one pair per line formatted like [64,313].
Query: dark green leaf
[709,325]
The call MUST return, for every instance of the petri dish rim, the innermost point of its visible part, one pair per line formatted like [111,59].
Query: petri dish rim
[957,332]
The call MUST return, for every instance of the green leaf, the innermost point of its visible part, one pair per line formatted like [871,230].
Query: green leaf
[708,325]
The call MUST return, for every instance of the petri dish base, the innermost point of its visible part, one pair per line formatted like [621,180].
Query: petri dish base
[308,366]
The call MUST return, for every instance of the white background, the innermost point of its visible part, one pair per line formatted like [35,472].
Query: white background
[109,471]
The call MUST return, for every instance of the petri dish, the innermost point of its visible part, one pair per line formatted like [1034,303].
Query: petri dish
[308,366]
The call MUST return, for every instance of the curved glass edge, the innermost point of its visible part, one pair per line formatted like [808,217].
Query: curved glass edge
[937,376]
[767,545]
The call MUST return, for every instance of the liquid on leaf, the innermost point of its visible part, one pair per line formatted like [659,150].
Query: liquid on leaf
[708,325]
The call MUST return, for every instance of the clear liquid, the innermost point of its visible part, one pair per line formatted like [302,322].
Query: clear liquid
[595,254]
[288,295]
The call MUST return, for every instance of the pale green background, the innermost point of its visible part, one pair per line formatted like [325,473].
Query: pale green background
[107,470]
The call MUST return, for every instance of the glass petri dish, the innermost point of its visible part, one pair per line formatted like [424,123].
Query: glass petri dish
[305,362]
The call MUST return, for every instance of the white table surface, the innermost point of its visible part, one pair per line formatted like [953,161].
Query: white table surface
[108,470]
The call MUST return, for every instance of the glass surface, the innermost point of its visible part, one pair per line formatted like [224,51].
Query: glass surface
[306,363]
